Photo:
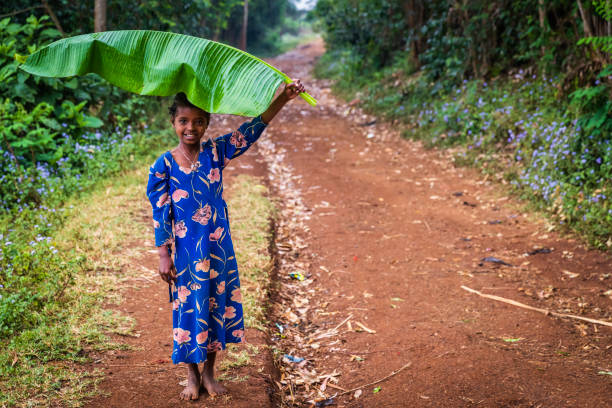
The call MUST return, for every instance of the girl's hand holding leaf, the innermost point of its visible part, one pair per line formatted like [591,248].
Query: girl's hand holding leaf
[293,89]
[290,92]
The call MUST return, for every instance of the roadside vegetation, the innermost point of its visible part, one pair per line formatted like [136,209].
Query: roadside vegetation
[64,278]
[75,154]
[520,90]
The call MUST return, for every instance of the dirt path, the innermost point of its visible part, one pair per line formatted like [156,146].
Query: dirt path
[391,232]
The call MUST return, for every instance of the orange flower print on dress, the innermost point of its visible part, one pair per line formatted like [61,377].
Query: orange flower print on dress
[183,292]
[175,304]
[213,274]
[181,336]
[195,286]
[202,337]
[164,199]
[212,304]
[160,175]
[238,140]
[217,234]
[214,175]
[203,265]
[236,295]
[214,347]
[221,288]
[230,312]
[179,194]
[155,224]
[238,333]
[202,215]
[180,230]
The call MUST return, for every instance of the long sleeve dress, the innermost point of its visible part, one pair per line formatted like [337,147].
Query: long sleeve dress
[189,211]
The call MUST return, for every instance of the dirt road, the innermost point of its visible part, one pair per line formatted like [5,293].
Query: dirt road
[386,233]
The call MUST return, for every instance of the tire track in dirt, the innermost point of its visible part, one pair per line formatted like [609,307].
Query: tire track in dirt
[395,231]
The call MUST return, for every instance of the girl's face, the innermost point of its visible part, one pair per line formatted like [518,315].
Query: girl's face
[189,125]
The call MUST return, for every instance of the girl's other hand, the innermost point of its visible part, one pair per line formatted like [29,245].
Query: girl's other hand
[166,269]
[293,89]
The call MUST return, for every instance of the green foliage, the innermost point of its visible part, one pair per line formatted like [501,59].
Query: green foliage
[603,8]
[372,30]
[218,20]
[452,41]
[594,102]
[601,43]
[32,272]
[39,115]
[595,105]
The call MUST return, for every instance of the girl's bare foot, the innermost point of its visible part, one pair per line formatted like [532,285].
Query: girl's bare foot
[192,390]
[208,377]
[213,386]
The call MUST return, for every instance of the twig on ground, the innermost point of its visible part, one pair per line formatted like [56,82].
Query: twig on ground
[335,386]
[378,381]
[344,321]
[369,352]
[365,328]
[537,309]
[135,365]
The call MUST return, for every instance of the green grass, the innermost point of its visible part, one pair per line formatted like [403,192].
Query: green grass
[105,230]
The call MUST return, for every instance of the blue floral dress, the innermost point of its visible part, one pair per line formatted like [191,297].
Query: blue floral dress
[189,211]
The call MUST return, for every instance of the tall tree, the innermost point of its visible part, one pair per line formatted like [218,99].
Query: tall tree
[100,16]
[245,20]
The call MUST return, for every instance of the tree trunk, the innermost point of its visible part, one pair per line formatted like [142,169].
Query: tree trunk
[542,15]
[588,30]
[413,15]
[245,19]
[100,16]
[53,17]
[586,23]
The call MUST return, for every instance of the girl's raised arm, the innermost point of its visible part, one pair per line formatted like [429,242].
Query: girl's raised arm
[290,92]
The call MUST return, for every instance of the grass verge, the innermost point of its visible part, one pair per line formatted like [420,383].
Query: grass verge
[100,233]
[251,213]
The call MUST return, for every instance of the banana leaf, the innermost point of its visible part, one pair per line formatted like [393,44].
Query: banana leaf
[214,76]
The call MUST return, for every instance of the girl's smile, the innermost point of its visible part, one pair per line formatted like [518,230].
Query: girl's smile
[189,125]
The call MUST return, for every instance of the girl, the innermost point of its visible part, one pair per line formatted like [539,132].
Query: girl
[185,189]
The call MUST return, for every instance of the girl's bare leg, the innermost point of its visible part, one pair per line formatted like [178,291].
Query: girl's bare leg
[208,376]
[192,390]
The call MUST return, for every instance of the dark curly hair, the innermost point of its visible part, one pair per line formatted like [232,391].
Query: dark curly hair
[180,99]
